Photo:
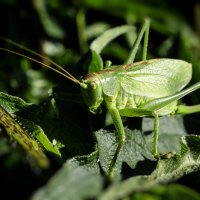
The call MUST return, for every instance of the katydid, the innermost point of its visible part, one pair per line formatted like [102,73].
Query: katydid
[146,88]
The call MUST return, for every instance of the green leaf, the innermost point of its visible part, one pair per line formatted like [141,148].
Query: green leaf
[95,29]
[51,27]
[12,103]
[138,146]
[166,171]
[170,131]
[38,133]
[96,63]
[15,105]
[78,179]
[99,43]
[172,192]
[186,162]
[162,20]
[135,150]
[18,133]
[52,124]
[189,51]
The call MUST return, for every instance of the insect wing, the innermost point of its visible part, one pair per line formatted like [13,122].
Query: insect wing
[156,78]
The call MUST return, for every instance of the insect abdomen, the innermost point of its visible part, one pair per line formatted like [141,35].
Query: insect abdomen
[127,100]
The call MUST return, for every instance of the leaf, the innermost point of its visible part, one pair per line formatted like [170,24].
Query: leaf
[16,131]
[96,63]
[173,125]
[172,192]
[53,122]
[135,150]
[91,62]
[170,131]
[14,105]
[167,170]
[51,27]
[186,162]
[162,20]
[38,133]
[136,154]
[78,179]
[189,51]
[95,29]
[99,43]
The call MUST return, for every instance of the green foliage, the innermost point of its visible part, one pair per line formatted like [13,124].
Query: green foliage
[70,182]
[76,170]
[78,145]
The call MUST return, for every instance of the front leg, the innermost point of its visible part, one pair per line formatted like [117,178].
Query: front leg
[120,131]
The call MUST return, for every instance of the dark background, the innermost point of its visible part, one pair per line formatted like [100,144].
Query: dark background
[33,23]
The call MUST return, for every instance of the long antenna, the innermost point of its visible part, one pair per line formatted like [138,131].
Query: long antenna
[65,72]
[45,65]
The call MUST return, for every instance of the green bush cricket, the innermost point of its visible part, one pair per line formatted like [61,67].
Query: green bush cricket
[146,88]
